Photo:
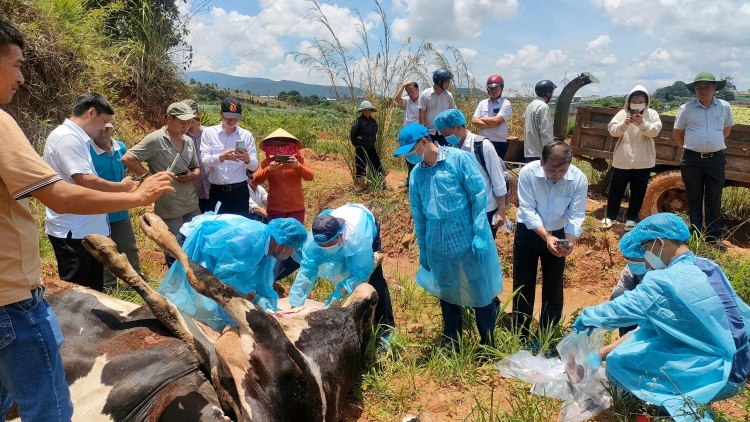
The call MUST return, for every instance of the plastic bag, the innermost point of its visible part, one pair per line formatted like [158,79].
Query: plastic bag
[570,377]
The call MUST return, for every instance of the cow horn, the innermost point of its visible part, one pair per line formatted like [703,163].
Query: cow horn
[105,251]
[207,284]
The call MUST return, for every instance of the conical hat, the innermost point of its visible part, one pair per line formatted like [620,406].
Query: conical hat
[279,135]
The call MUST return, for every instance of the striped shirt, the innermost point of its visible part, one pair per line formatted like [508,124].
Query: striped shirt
[704,127]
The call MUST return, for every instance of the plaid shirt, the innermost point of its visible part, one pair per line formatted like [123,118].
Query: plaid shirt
[202,185]
[704,127]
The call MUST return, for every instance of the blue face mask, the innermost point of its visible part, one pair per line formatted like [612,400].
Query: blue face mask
[413,158]
[453,140]
[637,268]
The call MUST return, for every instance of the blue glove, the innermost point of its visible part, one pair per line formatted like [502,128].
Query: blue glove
[479,247]
[423,261]
[579,326]
[334,298]
[264,304]
[594,361]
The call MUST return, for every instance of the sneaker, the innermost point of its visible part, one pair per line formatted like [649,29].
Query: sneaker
[606,223]
[629,225]
[384,342]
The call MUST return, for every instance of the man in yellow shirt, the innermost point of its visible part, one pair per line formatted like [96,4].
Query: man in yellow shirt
[31,371]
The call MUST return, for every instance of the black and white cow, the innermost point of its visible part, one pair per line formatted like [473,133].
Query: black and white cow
[126,362]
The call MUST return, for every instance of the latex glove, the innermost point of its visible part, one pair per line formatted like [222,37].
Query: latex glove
[579,326]
[594,361]
[479,247]
[423,261]
[334,298]
[264,304]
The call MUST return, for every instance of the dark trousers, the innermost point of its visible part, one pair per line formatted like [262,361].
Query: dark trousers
[528,249]
[409,168]
[453,324]
[367,156]
[439,139]
[490,216]
[615,294]
[384,309]
[638,179]
[704,180]
[203,205]
[234,198]
[500,148]
[75,264]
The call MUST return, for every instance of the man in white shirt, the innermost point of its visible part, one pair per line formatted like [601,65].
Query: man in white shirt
[67,152]
[538,121]
[410,102]
[492,114]
[552,206]
[435,100]
[452,125]
[258,200]
[229,150]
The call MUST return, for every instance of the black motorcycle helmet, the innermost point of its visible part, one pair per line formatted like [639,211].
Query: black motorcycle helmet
[544,87]
[440,76]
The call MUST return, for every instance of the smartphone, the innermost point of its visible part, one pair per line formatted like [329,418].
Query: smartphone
[282,158]
[563,244]
[634,112]
[240,144]
[496,110]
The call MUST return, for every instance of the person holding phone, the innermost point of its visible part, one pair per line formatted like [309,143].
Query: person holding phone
[229,151]
[170,149]
[636,126]
[552,206]
[284,168]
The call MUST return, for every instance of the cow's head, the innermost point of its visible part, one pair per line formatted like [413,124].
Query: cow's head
[263,374]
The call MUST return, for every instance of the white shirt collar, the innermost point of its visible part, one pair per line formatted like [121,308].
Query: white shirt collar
[99,151]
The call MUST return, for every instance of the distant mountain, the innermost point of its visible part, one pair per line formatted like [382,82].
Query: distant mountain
[262,86]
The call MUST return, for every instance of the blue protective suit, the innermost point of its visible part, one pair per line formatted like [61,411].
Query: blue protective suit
[692,336]
[234,249]
[448,202]
[347,266]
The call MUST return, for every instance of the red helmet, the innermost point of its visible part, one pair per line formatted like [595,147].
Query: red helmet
[495,80]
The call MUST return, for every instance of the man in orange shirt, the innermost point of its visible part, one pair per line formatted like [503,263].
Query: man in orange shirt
[31,370]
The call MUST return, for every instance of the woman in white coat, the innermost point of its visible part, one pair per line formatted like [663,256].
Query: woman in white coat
[634,157]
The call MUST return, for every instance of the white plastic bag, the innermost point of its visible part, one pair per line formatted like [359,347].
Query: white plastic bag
[570,377]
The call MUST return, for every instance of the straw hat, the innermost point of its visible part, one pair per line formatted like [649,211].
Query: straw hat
[279,135]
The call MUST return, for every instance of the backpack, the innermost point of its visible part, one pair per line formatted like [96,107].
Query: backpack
[479,155]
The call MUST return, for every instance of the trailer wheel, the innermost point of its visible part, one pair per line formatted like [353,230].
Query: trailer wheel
[665,193]
[512,196]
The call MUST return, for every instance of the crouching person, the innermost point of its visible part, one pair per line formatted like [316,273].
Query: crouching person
[241,253]
[691,347]
[343,247]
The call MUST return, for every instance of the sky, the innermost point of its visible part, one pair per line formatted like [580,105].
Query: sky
[622,42]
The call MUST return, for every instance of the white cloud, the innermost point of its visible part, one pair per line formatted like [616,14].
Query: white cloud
[597,53]
[599,43]
[450,20]
[530,64]
[292,70]
[245,52]
[469,54]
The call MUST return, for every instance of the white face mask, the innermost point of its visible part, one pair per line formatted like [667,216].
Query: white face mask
[639,107]
[333,249]
[655,261]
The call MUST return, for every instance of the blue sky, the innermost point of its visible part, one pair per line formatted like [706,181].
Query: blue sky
[622,42]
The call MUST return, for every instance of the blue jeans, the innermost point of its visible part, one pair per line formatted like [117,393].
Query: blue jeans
[31,369]
[453,325]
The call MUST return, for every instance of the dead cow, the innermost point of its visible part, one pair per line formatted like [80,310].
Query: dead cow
[130,367]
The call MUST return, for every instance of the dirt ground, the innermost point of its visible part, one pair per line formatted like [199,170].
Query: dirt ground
[592,270]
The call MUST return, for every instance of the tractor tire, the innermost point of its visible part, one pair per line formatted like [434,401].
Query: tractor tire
[665,193]
[512,196]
